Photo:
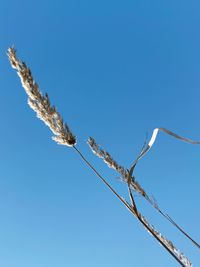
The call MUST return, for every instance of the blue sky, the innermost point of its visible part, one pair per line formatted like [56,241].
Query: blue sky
[115,70]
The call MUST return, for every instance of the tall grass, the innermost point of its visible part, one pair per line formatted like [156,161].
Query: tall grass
[64,136]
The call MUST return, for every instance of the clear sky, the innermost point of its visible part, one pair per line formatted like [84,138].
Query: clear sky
[115,70]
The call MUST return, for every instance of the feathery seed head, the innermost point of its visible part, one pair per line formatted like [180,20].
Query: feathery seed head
[41,104]
[171,247]
[107,158]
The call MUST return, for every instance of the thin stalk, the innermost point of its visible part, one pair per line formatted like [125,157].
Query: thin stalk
[130,208]
[102,179]
[173,222]
[159,240]
[132,200]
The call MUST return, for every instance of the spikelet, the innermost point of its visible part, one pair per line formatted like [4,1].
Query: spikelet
[107,158]
[41,104]
[176,252]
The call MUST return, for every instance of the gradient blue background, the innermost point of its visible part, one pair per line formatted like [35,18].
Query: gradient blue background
[115,70]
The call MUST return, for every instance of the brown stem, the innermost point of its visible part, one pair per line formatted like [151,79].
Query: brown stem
[132,200]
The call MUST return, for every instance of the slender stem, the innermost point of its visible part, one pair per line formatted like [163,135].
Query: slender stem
[160,241]
[132,200]
[103,180]
[138,216]
[174,223]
